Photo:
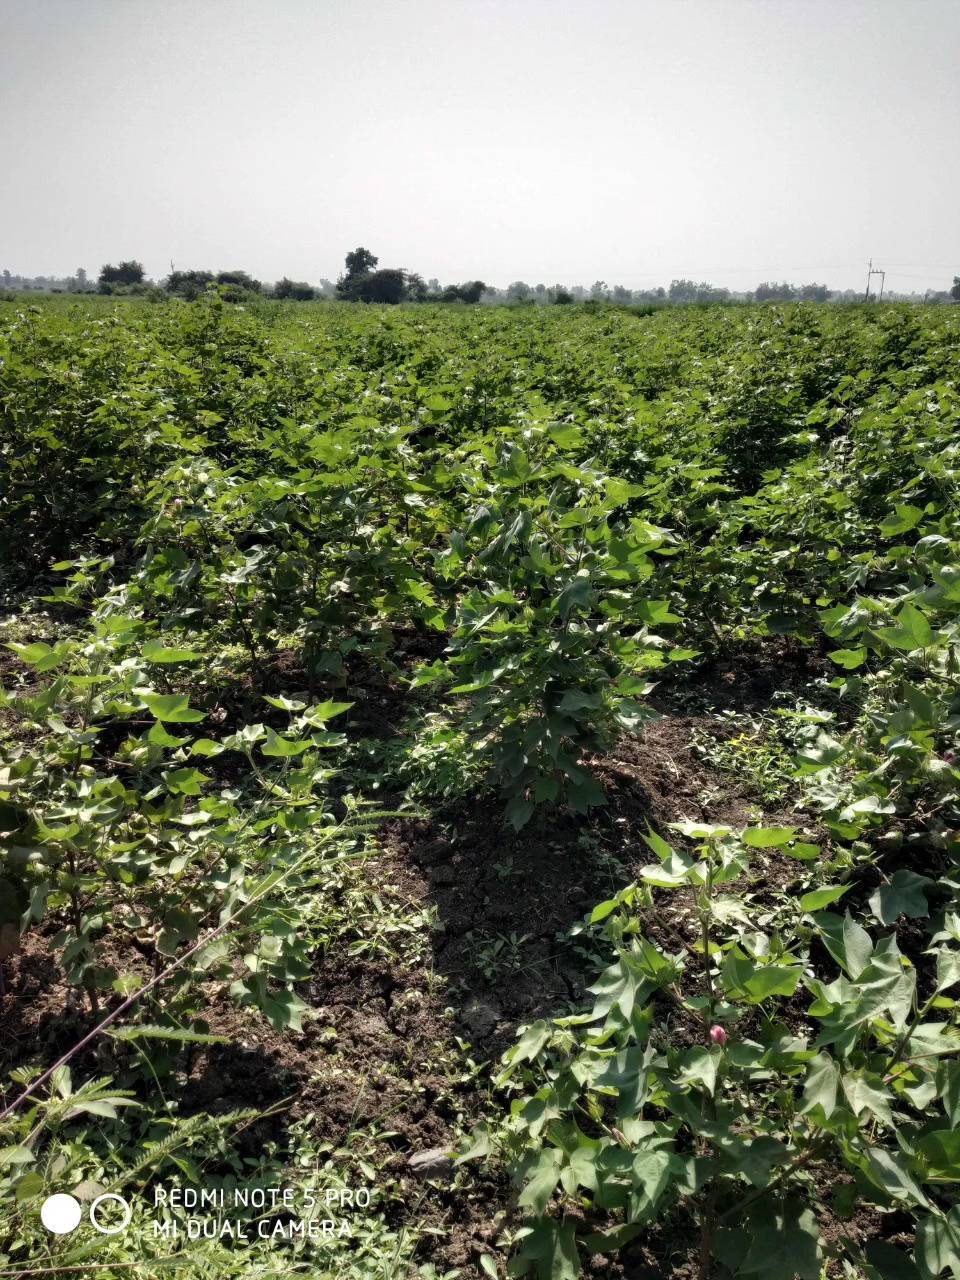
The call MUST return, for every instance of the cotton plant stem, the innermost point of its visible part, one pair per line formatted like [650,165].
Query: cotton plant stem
[708,1225]
[800,1162]
[908,1034]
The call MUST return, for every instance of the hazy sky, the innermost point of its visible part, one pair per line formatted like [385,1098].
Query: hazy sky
[548,140]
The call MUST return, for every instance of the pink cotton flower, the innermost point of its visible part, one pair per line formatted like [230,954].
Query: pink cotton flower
[718,1035]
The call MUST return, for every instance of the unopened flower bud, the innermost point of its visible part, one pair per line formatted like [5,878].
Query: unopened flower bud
[718,1035]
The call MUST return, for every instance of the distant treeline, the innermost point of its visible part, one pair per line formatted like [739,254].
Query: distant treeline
[365,281]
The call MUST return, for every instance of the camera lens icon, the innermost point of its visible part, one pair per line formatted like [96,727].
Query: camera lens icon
[61,1214]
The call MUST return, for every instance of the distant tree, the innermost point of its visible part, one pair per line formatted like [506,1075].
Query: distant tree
[123,273]
[471,292]
[188,284]
[518,291]
[239,278]
[387,285]
[622,295]
[682,291]
[689,291]
[360,283]
[599,291]
[774,292]
[813,292]
[416,287]
[360,262]
[955,291]
[296,289]
[562,297]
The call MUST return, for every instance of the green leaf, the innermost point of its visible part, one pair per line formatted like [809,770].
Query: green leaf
[477,1147]
[321,712]
[519,811]
[179,1034]
[867,1093]
[678,869]
[656,843]
[820,1086]
[891,1174]
[283,748]
[745,979]
[821,898]
[803,852]
[529,1046]
[16,1155]
[106,1107]
[889,1263]
[948,1087]
[772,980]
[541,1182]
[847,942]
[573,596]
[578,700]
[941,1153]
[912,631]
[948,968]
[823,753]
[785,1245]
[284,703]
[937,1246]
[902,519]
[698,1066]
[154,651]
[755,1157]
[552,1249]
[849,659]
[604,909]
[283,1010]
[41,655]
[30,1185]
[767,837]
[185,782]
[159,737]
[903,895]
[170,707]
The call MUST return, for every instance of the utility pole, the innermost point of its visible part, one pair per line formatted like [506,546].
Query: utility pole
[883,277]
[873,271]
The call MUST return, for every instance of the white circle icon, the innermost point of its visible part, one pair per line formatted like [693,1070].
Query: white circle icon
[60,1214]
[126,1214]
